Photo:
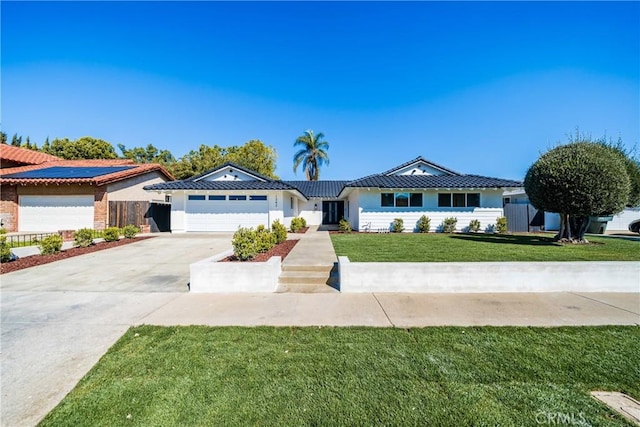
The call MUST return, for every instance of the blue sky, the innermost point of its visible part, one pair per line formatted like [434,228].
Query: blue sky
[479,87]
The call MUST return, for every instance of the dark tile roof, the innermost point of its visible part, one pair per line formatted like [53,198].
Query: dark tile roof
[420,159]
[323,189]
[432,181]
[219,185]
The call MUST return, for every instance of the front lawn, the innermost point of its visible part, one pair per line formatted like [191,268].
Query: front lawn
[355,376]
[438,247]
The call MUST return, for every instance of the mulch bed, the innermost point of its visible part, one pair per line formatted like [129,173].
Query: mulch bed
[281,250]
[300,231]
[33,260]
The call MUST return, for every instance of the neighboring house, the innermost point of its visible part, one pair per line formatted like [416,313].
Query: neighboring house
[620,221]
[11,156]
[230,196]
[71,194]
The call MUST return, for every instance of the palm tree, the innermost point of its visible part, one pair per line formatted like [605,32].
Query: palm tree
[312,155]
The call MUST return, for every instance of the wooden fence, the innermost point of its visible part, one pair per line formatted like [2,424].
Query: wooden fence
[140,213]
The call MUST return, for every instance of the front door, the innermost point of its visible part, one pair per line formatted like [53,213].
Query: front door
[332,212]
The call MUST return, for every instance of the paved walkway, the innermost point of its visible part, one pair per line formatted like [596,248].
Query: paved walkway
[313,249]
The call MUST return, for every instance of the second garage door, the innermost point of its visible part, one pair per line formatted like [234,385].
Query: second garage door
[54,213]
[226,213]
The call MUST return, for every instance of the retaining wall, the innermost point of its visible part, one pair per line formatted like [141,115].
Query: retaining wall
[210,276]
[477,277]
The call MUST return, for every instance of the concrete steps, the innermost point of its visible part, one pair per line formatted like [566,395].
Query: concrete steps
[308,279]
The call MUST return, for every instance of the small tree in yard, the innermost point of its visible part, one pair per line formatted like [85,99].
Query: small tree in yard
[578,180]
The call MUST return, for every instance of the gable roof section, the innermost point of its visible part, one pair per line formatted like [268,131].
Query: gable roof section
[24,156]
[258,176]
[420,159]
[432,181]
[318,189]
[96,172]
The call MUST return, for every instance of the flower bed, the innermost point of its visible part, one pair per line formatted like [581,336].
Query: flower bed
[34,260]
[281,250]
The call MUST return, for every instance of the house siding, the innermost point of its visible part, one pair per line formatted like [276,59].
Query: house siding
[370,213]
[132,189]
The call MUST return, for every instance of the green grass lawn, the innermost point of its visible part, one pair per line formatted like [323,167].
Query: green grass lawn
[158,376]
[438,247]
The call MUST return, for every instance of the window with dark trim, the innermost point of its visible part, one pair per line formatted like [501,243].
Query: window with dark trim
[292,203]
[258,198]
[473,200]
[387,199]
[217,198]
[236,197]
[401,200]
[197,197]
[444,200]
[459,200]
[415,201]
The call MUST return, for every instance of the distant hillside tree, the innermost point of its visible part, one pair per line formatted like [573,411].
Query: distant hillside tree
[312,155]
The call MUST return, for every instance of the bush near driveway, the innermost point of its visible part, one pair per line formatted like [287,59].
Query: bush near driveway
[446,376]
[51,244]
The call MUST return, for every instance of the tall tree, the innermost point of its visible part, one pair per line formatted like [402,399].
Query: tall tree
[82,148]
[312,155]
[253,155]
[148,154]
[3,138]
[16,140]
[578,180]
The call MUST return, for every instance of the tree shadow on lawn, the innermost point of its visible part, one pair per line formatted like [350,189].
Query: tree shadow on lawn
[512,239]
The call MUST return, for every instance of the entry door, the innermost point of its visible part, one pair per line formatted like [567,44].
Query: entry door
[332,212]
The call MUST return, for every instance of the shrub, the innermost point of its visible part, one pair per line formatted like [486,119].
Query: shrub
[51,244]
[130,231]
[474,225]
[265,239]
[501,224]
[83,237]
[279,230]
[449,225]
[297,223]
[424,224]
[344,226]
[398,225]
[244,243]
[111,234]
[3,230]
[5,250]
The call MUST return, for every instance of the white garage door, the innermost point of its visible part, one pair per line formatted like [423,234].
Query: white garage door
[225,213]
[53,213]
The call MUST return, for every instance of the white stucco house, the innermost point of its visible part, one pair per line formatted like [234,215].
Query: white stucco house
[230,196]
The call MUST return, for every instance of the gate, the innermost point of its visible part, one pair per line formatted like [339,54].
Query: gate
[523,218]
[140,213]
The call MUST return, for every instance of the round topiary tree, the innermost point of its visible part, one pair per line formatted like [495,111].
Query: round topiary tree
[578,180]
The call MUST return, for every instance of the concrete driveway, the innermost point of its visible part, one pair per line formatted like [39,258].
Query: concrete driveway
[58,319]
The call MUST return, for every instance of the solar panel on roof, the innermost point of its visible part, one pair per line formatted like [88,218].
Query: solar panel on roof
[68,172]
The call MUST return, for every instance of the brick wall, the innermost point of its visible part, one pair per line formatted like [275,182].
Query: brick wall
[9,207]
[100,208]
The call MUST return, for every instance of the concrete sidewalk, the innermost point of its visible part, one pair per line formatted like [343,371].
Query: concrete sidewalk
[400,310]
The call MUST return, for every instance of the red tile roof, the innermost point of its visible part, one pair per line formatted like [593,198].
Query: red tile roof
[139,169]
[24,156]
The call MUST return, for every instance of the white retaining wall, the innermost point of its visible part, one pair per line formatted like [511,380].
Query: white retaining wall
[478,277]
[210,276]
